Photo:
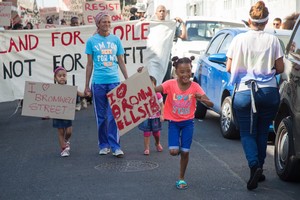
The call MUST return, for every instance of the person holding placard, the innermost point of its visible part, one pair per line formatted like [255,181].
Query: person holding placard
[153,125]
[63,126]
[104,57]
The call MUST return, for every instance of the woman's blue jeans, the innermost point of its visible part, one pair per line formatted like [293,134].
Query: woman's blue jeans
[255,143]
[108,134]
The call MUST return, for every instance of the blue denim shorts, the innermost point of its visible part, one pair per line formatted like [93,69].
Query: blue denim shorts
[61,123]
[150,125]
[181,135]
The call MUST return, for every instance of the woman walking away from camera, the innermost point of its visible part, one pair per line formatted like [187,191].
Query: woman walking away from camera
[254,58]
[104,57]
[179,110]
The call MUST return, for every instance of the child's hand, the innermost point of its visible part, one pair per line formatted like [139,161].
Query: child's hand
[162,118]
[140,69]
[198,96]
[204,99]
[87,92]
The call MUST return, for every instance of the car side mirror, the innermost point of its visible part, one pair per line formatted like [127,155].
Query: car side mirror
[218,58]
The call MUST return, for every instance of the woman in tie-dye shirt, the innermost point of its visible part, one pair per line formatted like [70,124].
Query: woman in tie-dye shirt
[104,57]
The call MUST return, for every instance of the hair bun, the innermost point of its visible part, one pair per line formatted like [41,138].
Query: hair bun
[175,58]
[192,57]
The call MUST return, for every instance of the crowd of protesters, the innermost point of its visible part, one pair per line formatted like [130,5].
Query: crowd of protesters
[102,76]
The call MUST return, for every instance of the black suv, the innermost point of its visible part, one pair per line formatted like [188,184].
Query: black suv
[287,121]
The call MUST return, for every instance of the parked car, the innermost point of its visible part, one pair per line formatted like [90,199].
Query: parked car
[287,120]
[200,30]
[211,74]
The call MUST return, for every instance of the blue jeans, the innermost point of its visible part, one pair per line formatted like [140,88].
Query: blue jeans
[108,134]
[255,143]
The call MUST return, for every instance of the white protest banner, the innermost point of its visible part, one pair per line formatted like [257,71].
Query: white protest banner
[133,101]
[92,8]
[31,55]
[5,13]
[46,26]
[49,100]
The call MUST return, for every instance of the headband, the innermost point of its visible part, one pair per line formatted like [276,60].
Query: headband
[58,69]
[259,20]
[99,16]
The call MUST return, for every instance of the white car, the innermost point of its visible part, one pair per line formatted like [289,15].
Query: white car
[199,32]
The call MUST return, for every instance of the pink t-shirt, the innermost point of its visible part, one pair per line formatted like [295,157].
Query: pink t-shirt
[180,105]
[160,100]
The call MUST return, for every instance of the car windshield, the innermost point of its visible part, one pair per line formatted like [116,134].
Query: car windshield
[205,30]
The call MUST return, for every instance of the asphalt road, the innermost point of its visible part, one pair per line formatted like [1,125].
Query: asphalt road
[31,167]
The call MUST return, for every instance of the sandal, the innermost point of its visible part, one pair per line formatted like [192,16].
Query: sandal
[181,185]
[159,148]
[147,152]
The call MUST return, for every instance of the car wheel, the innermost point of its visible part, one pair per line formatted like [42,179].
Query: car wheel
[200,111]
[286,164]
[228,128]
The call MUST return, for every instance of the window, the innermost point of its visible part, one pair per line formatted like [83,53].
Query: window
[225,44]
[294,46]
[240,3]
[214,45]
[227,4]
[205,30]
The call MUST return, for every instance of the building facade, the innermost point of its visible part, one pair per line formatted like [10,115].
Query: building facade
[227,9]
[239,9]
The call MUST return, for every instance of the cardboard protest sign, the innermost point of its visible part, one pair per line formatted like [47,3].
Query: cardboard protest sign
[5,13]
[67,15]
[27,4]
[49,100]
[133,101]
[49,13]
[92,8]
[74,5]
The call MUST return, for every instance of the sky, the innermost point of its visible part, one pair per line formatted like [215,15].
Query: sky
[47,3]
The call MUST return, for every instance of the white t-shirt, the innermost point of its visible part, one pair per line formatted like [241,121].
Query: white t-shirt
[253,57]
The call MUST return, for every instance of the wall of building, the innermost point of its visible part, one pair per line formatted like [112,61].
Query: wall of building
[239,9]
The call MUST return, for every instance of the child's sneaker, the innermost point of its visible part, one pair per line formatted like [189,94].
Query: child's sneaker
[68,145]
[104,151]
[118,153]
[84,103]
[65,153]
[78,106]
